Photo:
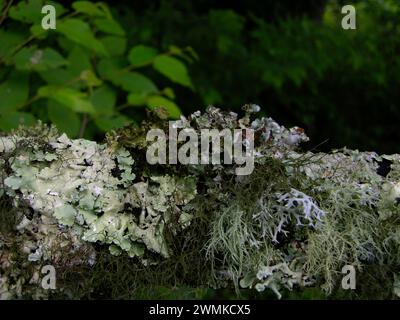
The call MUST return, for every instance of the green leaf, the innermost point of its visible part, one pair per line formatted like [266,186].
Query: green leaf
[113,122]
[141,55]
[80,32]
[38,32]
[188,53]
[169,93]
[27,11]
[75,100]
[14,92]
[116,46]
[107,67]
[137,99]
[64,118]
[31,58]
[79,60]
[11,120]
[192,53]
[109,26]
[56,76]
[103,99]
[89,8]
[31,11]
[175,50]
[159,101]
[173,69]
[9,40]
[103,6]
[133,82]
[90,78]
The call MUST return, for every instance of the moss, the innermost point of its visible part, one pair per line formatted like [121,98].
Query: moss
[117,227]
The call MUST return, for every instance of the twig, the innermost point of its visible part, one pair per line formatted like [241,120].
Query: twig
[85,121]
[4,15]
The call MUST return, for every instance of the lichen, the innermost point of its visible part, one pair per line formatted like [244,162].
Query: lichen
[90,188]
[295,221]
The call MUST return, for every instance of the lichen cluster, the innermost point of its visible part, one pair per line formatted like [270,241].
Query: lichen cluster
[294,222]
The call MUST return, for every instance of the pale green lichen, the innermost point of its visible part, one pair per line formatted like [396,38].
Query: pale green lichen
[294,222]
[88,187]
[275,277]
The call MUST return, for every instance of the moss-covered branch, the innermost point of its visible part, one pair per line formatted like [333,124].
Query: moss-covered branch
[295,221]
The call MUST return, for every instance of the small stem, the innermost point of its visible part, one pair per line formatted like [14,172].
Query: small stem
[4,15]
[84,123]
[28,102]
[18,47]
[85,118]
[123,106]
[21,45]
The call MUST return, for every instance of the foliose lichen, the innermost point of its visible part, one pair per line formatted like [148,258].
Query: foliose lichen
[294,222]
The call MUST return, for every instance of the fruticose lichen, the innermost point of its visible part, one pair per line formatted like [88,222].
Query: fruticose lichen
[294,222]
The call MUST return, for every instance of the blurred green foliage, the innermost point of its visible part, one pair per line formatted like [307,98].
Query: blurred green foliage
[301,67]
[106,62]
[85,76]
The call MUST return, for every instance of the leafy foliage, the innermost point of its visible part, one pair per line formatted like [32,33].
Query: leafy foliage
[86,75]
[304,69]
